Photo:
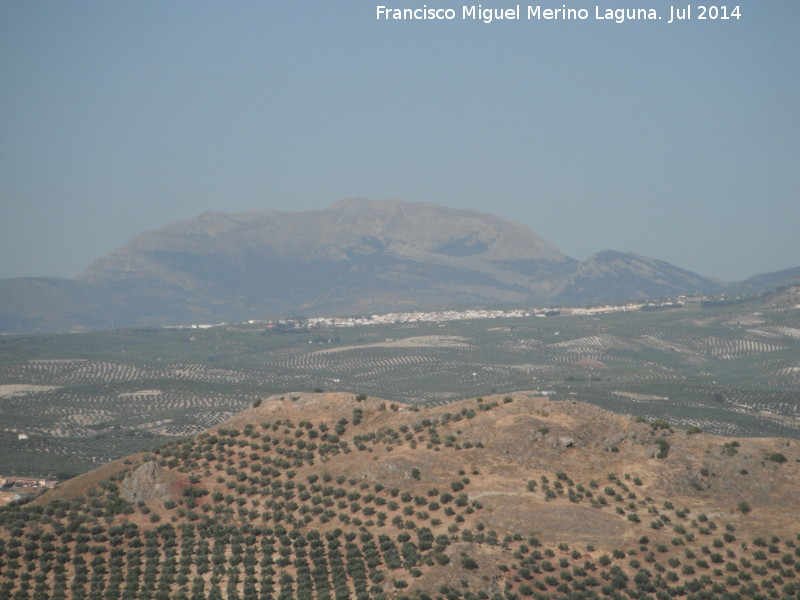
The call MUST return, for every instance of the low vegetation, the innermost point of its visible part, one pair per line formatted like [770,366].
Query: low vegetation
[330,496]
[85,399]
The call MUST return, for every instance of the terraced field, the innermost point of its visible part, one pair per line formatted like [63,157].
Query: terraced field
[84,399]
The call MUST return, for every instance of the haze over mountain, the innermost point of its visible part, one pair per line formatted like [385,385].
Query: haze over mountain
[356,256]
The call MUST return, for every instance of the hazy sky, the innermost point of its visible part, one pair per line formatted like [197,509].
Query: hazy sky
[679,142]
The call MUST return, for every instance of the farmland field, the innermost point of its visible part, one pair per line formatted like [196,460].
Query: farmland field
[84,399]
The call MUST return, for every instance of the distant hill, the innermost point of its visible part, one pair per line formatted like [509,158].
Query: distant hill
[355,257]
[51,304]
[765,281]
[610,275]
[337,496]
[784,297]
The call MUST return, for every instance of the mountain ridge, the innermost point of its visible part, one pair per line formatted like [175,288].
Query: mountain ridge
[347,228]
[355,256]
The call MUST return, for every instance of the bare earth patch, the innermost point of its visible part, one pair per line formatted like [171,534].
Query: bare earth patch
[553,522]
[139,393]
[10,390]
[422,341]
[641,397]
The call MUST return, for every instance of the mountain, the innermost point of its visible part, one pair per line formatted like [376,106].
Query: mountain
[31,304]
[610,275]
[355,257]
[772,280]
[48,304]
[334,496]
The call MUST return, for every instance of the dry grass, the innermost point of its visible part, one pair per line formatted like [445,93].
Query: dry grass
[564,478]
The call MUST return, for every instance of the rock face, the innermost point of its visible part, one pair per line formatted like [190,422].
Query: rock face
[354,257]
[147,482]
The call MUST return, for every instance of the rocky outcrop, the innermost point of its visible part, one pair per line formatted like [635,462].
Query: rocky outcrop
[147,482]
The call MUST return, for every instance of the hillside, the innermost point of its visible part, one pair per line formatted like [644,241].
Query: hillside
[730,368]
[354,257]
[333,496]
[784,278]
[42,304]
[612,276]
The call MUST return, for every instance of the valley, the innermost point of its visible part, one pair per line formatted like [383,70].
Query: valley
[82,400]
